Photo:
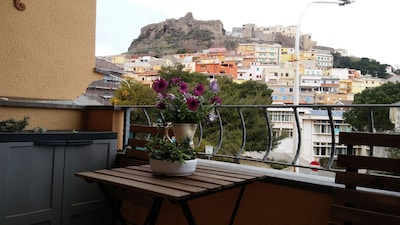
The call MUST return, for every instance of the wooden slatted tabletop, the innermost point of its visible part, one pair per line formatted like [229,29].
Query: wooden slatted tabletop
[203,181]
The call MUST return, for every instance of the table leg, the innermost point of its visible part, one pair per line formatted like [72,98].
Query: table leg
[151,218]
[235,209]
[187,212]
[115,206]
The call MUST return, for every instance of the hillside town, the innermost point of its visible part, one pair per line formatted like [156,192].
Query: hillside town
[261,60]
[81,135]
[265,61]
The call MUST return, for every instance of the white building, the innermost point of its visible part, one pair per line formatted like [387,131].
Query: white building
[267,53]
[315,133]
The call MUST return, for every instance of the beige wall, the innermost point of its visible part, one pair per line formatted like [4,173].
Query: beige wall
[49,119]
[48,50]
[68,119]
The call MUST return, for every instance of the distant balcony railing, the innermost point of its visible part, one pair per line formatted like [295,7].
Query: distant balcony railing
[148,112]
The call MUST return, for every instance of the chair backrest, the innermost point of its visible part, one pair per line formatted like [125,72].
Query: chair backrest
[372,185]
[135,154]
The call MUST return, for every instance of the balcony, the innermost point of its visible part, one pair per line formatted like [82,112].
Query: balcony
[299,194]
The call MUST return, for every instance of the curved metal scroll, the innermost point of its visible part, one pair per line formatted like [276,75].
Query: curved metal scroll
[239,153]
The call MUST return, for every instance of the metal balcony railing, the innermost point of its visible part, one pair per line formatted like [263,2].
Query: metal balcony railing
[298,114]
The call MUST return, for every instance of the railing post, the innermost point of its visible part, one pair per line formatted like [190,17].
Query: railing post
[127,123]
[371,128]
[333,146]
[243,135]
[270,134]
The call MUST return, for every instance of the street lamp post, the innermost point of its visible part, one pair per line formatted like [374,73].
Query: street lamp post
[296,91]
[120,79]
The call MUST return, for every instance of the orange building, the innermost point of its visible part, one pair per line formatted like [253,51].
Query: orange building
[228,68]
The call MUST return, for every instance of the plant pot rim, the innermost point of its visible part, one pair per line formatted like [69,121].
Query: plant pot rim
[165,167]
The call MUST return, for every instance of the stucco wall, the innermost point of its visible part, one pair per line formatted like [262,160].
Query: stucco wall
[49,119]
[47,50]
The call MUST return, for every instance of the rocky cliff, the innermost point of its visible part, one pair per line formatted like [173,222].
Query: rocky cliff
[181,35]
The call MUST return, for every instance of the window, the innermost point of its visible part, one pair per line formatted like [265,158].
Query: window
[281,116]
[282,132]
[323,127]
[324,149]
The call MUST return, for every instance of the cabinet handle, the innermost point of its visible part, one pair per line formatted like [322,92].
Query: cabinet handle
[50,142]
[80,142]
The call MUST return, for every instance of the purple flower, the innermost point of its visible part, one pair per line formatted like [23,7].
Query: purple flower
[160,85]
[216,100]
[176,80]
[160,96]
[199,89]
[192,103]
[183,87]
[170,96]
[214,86]
[182,104]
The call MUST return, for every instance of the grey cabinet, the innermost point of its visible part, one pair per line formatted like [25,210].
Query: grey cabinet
[38,183]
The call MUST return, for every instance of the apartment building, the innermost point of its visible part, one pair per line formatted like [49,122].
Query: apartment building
[288,54]
[267,53]
[324,62]
[217,67]
[364,82]
[247,52]
[316,132]
[255,72]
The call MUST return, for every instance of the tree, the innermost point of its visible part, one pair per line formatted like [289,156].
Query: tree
[365,65]
[388,93]
[247,93]
[177,71]
[136,94]
[394,153]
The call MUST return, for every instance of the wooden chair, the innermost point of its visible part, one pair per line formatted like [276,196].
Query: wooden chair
[135,154]
[372,185]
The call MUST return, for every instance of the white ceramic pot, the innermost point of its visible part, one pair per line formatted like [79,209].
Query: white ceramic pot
[176,168]
[182,130]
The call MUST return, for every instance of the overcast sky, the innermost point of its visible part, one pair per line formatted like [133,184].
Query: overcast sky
[366,28]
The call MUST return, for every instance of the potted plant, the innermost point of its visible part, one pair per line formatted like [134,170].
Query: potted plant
[183,107]
[171,158]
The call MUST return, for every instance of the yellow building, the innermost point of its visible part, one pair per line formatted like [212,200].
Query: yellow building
[366,82]
[44,55]
[331,99]
[118,59]
[287,55]
[345,86]
[247,51]
[48,53]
